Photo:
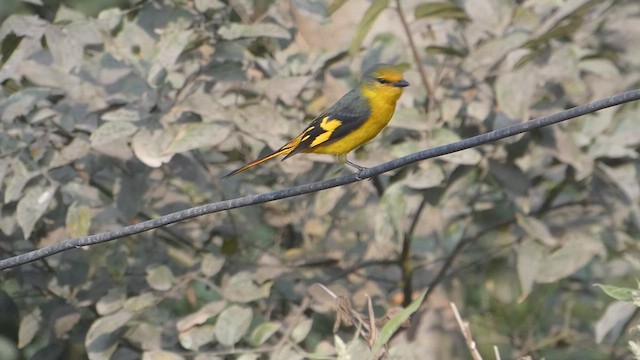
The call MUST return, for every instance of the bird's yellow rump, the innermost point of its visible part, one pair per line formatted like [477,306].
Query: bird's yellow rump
[352,121]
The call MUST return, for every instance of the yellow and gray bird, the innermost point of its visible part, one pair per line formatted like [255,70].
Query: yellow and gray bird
[352,121]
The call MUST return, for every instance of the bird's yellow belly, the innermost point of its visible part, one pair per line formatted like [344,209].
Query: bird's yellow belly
[368,130]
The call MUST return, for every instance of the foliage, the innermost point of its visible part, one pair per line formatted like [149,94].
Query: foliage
[118,111]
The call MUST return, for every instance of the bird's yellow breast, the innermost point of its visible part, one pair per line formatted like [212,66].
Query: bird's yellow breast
[383,104]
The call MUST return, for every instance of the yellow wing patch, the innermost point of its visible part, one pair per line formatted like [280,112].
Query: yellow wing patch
[329,126]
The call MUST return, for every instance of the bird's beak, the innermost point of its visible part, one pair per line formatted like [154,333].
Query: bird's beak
[401,83]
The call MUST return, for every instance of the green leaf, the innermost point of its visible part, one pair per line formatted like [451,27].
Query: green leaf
[390,218]
[160,277]
[111,131]
[576,251]
[32,206]
[111,302]
[370,16]
[233,324]
[201,316]
[619,293]
[301,330]
[616,314]
[443,9]
[335,5]
[445,50]
[263,332]
[141,302]
[211,264]
[396,321]
[236,31]
[102,338]
[122,114]
[197,135]
[29,327]
[196,337]
[78,220]
[244,287]
[204,5]
[161,355]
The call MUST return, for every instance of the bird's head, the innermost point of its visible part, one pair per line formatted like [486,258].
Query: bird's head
[383,81]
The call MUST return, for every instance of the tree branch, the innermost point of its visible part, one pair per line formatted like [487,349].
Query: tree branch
[320,185]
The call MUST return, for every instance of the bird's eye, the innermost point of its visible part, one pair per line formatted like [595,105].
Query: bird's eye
[382,81]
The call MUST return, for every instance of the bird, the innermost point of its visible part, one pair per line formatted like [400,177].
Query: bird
[349,123]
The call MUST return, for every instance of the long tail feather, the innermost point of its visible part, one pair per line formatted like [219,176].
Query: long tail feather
[282,151]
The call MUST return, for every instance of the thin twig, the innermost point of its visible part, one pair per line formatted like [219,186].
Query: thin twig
[321,185]
[416,57]
[466,331]
[406,265]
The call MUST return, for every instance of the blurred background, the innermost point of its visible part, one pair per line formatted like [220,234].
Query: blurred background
[118,111]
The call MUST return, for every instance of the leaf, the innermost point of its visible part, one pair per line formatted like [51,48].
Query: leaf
[325,201]
[201,316]
[236,31]
[159,277]
[396,321]
[111,131]
[29,327]
[614,318]
[197,135]
[301,330]
[141,302]
[32,206]
[445,50]
[510,177]
[482,59]
[122,114]
[335,5]
[204,5]
[576,251]
[17,182]
[172,43]
[515,92]
[78,148]
[149,147]
[289,87]
[111,302]
[242,287]
[625,177]
[211,264]
[389,221]
[316,7]
[427,175]
[67,52]
[619,293]
[102,337]
[161,355]
[233,324]
[529,259]
[78,220]
[263,332]
[536,229]
[196,337]
[445,10]
[445,136]
[370,16]
[64,319]
[21,103]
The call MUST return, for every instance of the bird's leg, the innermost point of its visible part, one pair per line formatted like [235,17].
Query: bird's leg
[356,166]
[343,160]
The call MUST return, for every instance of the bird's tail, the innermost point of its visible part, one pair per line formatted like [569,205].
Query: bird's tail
[282,151]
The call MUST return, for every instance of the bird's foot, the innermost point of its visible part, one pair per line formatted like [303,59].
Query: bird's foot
[357,167]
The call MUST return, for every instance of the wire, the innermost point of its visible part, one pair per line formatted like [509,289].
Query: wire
[492,136]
